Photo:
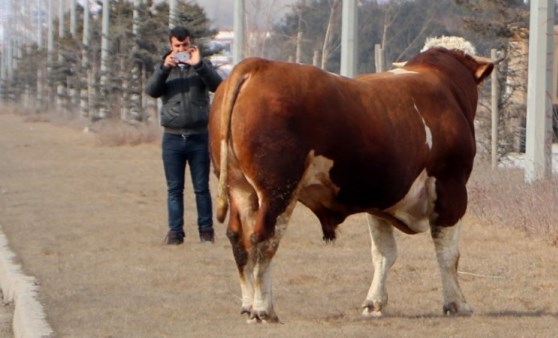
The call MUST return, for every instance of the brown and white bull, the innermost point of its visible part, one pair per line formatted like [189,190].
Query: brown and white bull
[397,145]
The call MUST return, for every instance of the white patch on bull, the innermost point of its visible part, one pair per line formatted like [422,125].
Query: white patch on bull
[427,131]
[416,208]
[317,173]
[401,71]
[428,134]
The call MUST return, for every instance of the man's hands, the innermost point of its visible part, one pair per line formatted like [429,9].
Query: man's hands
[195,58]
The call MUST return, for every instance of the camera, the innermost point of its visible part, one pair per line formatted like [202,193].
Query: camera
[182,57]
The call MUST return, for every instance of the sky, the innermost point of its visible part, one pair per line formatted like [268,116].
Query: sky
[221,12]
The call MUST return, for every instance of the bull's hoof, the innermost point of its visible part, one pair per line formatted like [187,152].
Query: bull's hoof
[372,309]
[457,309]
[369,313]
[246,310]
[263,317]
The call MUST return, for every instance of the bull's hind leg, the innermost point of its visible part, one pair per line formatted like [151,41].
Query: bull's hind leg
[446,242]
[241,257]
[262,253]
[384,254]
[243,206]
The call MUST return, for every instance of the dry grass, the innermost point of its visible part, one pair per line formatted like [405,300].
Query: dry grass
[110,133]
[88,222]
[502,197]
[114,133]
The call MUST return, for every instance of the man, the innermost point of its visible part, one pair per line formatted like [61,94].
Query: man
[182,81]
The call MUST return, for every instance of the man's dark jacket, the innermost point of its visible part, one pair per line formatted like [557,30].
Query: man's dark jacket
[184,94]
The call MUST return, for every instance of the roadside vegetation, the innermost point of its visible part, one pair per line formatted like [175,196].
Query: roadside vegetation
[502,198]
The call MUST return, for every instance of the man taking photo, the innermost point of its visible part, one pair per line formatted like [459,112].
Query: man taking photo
[183,81]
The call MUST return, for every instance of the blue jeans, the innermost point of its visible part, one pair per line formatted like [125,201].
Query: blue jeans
[179,150]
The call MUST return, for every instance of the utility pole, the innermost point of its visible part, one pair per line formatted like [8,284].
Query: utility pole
[239,27]
[87,81]
[73,80]
[172,13]
[12,45]
[6,52]
[40,70]
[349,40]
[103,111]
[50,54]
[73,25]
[299,33]
[60,87]
[15,39]
[494,104]
[538,141]
[136,110]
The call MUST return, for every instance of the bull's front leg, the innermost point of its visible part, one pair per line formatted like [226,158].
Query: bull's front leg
[446,242]
[384,254]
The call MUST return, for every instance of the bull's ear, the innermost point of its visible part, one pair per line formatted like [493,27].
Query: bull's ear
[483,71]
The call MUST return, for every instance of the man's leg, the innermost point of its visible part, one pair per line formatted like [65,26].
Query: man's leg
[199,171]
[174,162]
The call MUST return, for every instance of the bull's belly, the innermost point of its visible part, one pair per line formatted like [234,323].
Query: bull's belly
[415,209]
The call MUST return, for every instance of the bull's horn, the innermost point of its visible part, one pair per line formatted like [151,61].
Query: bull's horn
[399,64]
[488,60]
[500,59]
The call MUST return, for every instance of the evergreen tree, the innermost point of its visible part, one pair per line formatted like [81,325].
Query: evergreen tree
[126,50]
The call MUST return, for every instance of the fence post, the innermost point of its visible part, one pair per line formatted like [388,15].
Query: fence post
[316,58]
[379,58]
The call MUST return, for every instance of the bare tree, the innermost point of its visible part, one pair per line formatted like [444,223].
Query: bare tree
[260,16]
[328,44]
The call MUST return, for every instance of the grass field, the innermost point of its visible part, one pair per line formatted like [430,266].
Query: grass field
[86,216]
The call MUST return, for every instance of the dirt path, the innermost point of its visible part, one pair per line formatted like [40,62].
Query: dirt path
[88,222]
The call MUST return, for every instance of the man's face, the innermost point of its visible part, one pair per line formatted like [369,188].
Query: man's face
[179,46]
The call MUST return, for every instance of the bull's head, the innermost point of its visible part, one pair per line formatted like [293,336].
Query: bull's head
[485,65]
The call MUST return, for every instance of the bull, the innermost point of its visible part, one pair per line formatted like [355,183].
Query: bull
[397,145]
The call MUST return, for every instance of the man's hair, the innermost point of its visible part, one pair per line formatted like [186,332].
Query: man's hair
[180,33]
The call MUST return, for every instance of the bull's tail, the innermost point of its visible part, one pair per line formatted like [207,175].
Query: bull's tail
[231,94]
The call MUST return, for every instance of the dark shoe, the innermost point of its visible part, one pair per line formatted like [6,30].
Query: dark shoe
[174,237]
[207,236]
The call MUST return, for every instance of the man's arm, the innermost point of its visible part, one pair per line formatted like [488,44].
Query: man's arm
[208,74]
[155,86]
